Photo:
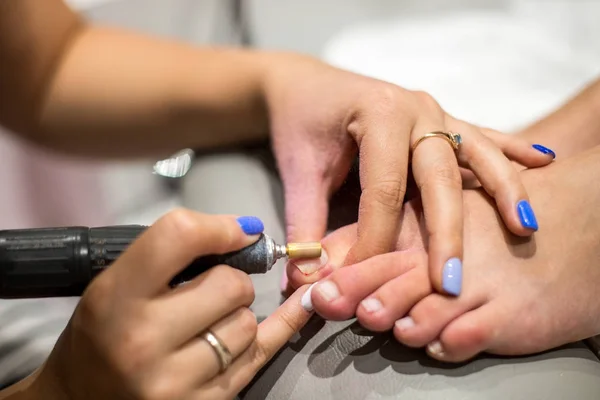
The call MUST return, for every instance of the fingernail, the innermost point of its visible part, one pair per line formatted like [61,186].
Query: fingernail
[306,300]
[436,348]
[526,215]
[371,305]
[405,323]
[251,225]
[328,290]
[311,266]
[544,149]
[452,276]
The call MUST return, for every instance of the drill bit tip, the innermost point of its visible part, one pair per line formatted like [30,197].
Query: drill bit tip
[303,250]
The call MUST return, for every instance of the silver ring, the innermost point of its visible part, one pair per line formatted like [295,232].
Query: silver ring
[222,352]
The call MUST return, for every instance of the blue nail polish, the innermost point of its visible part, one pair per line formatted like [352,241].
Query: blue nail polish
[452,276]
[526,215]
[544,150]
[251,225]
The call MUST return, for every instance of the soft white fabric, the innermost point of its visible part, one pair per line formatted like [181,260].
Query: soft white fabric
[501,69]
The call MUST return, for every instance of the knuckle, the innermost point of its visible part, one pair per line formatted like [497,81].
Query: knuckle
[386,99]
[388,194]
[237,286]
[247,323]
[135,349]
[94,305]
[426,100]
[259,354]
[444,173]
[181,225]
[160,388]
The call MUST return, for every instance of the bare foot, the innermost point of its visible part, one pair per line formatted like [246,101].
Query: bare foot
[400,278]
[519,296]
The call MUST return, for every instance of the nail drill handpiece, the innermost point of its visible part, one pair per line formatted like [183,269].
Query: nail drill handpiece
[57,262]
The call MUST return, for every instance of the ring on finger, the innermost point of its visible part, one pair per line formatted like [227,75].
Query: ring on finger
[454,139]
[222,352]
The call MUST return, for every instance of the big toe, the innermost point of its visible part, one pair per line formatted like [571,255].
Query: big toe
[430,316]
[335,247]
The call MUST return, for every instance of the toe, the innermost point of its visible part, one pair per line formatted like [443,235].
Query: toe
[468,335]
[393,300]
[430,316]
[337,297]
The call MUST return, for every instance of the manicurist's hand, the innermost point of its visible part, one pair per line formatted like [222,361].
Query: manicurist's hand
[132,337]
[322,117]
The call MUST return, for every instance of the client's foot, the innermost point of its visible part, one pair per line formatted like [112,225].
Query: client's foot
[519,296]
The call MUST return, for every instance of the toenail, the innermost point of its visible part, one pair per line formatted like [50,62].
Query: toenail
[436,348]
[371,305]
[405,323]
[306,299]
[328,290]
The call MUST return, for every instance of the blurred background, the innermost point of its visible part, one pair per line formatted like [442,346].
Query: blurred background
[499,63]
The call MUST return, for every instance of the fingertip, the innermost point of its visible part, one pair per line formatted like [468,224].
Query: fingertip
[527,216]
[545,150]
[452,276]
[251,225]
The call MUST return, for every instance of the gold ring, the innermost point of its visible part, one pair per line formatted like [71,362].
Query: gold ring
[222,352]
[454,139]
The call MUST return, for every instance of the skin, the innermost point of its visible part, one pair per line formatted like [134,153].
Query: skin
[550,279]
[521,296]
[93,91]
[115,346]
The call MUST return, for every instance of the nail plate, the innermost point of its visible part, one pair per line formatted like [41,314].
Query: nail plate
[371,305]
[452,276]
[306,300]
[436,348]
[405,323]
[544,149]
[251,225]
[311,266]
[526,215]
[328,290]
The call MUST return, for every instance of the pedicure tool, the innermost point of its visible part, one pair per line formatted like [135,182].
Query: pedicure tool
[58,262]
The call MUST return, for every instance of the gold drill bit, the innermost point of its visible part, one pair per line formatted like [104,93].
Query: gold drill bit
[303,250]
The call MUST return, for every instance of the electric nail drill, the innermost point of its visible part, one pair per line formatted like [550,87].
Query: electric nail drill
[58,262]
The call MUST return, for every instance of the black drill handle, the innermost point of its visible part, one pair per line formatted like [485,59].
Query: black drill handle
[57,262]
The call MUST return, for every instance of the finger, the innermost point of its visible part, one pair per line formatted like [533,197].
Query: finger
[195,306]
[338,296]
[383,144]
[236,332]
[306,211]
[306,208]
[520,150]
[436,172]
[173,242]
[500,180]
[273,333]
